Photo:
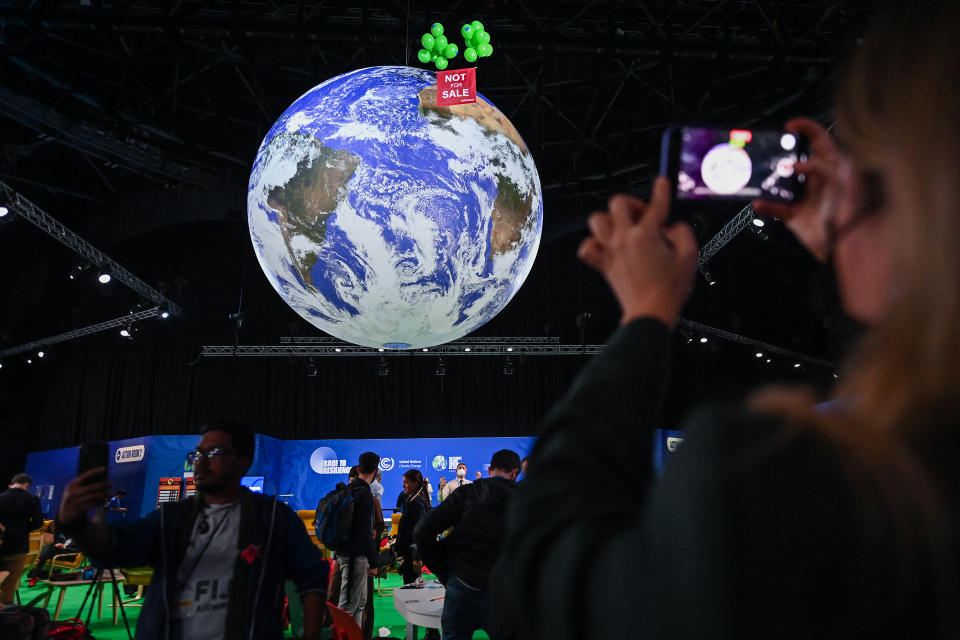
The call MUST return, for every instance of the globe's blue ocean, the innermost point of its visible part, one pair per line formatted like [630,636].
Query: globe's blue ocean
[384,220]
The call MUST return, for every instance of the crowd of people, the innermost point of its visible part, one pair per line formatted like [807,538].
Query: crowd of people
[779,517]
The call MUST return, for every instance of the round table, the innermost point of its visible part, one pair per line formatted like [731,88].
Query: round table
[420,607]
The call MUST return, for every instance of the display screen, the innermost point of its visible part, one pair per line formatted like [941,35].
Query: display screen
[254,483]
[738,163]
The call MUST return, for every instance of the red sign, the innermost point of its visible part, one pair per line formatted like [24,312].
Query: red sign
[458,86]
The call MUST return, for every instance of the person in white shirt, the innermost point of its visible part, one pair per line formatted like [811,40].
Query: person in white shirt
[453,485]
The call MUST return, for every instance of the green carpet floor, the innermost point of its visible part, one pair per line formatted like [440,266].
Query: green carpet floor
[384,613]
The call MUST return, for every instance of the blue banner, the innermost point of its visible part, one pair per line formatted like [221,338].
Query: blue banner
[314,467]
[303,471]
[665,444]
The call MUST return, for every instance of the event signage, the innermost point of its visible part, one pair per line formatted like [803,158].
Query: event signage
[456,87]
[129,454]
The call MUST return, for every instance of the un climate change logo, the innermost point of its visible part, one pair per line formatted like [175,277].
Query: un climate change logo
[439,463]
[386,464]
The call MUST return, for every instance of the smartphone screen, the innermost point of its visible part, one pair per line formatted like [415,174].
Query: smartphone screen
[94,455]
[734,164]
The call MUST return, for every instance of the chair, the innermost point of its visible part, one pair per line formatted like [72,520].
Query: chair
[344,627]
[139,577]
[308,517]
[67,561]
[395,524]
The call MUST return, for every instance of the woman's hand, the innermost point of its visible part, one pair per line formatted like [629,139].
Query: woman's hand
[649,265]
[828,176]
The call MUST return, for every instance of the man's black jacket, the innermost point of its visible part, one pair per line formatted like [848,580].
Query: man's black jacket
[20,513]
[476,511]
[361,537]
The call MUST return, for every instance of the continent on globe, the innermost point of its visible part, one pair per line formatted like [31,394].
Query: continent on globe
[306,201]
[388,221]
[511,210]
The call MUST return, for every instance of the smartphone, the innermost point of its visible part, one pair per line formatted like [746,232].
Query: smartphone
[723,163]
[94,455]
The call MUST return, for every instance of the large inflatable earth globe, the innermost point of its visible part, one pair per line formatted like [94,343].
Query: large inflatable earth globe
[388,221]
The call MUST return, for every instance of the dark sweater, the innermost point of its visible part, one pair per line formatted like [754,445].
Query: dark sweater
[414,510]
[476,511]
[755,529]
[20,513]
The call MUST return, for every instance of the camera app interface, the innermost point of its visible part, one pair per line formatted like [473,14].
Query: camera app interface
[737,163]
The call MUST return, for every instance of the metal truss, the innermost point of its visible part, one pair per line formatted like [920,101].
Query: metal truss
[453,343]
[47,223]
[729,231]
[122,321]
[763,346]
[482,347]
[500,346]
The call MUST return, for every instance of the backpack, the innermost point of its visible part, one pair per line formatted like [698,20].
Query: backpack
[25,622]
[334,523]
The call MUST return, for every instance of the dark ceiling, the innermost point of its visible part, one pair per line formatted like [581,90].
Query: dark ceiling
[135,123]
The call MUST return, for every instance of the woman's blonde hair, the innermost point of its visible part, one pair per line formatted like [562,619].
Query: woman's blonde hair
[898,113]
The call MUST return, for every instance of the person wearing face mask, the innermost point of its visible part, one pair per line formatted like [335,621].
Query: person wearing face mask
[782,517]
[456,483]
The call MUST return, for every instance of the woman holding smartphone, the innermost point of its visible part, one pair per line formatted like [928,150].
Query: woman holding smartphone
[778,518]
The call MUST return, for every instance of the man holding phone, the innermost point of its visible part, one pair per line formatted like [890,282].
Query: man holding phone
[220,557]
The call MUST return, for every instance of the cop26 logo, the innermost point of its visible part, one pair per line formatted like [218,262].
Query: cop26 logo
[386,464]
[440,463]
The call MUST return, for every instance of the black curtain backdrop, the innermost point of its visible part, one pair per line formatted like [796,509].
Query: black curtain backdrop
[105,387]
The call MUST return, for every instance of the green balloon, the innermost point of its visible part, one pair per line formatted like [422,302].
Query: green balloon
[436,29]
[427,41]
[470,54]
[483,37]
[434,56]
[476,25]
[441,63]
[484,50]
[451,51]
[466,31]
[424,56]
[440,43]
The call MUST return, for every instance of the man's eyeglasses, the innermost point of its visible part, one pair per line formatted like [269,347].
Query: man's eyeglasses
[209,454]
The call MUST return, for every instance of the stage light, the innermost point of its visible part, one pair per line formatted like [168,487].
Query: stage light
[424,349]
[29,361]
[164,314]
[125,332]
[380,350]
[467,349]
[758,222]
[759,354]
[441,369]
[104,278]
[1,365]
[4,211]
[708,276]
[768,360]
[508,367]
[337,349]
[796,365]
[836,376]
[384,368]
[509,348]
[703,340]
[40,354]
[76,271]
